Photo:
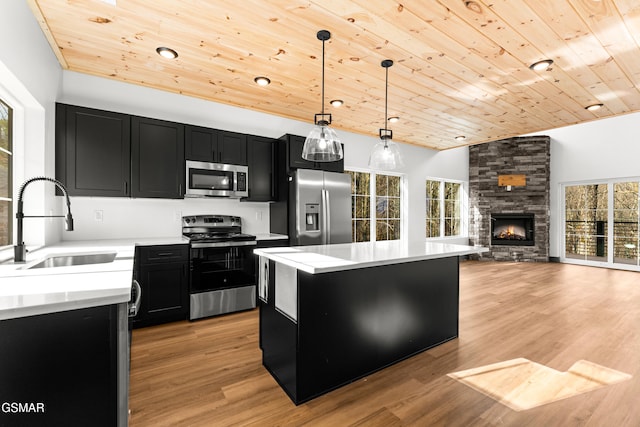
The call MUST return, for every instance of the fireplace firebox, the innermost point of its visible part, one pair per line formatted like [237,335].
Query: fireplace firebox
[514,229]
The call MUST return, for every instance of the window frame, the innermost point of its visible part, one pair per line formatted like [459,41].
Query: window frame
[463,199]
[373,220]
[9,151]
[610,226]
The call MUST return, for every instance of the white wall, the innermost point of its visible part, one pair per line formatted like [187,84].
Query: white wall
[603,149]
[29,82]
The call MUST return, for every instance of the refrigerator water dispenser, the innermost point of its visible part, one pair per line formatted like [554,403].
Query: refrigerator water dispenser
[312,214]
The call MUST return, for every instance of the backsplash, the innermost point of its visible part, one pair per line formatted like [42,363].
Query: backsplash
[123,218]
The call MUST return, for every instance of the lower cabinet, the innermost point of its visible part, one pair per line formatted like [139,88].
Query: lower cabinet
[65,369]
[163,274]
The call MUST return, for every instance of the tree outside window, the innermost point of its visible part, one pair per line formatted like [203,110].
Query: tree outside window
[6,182]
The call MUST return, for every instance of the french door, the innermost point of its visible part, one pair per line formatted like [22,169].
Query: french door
[601,223]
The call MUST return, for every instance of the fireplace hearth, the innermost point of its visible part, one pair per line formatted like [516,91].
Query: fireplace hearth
[512,229]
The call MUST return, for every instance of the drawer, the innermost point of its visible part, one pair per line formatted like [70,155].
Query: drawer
[162,253]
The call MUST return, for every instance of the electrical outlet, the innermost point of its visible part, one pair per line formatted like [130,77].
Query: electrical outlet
[97,215]
[258,215]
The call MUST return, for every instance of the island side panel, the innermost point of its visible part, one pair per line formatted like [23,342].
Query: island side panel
[354,322]
[278,339]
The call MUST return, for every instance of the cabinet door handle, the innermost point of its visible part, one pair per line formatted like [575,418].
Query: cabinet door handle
[126,188]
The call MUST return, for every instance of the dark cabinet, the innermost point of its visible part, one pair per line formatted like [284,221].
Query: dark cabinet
[262,179]
[215,146]
[92,151]
[71,366]
[163,274]
[157,158]
[291,152]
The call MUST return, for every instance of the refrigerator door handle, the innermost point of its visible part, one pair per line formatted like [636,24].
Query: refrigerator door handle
[326,218]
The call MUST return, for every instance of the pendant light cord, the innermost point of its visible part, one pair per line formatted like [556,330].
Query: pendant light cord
[323,78]
[386,98]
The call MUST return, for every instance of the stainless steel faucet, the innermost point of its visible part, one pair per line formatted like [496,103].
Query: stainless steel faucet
[20,250]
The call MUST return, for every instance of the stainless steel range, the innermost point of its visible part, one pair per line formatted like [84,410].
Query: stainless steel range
[222,269]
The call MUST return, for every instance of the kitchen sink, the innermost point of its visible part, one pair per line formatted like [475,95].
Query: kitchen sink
[71,260]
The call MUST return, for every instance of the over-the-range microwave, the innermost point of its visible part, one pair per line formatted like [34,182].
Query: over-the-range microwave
[216,180]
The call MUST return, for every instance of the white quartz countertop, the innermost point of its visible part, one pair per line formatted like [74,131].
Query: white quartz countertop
[347,256]
[28,292]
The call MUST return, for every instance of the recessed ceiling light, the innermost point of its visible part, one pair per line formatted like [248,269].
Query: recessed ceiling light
[541,65]
[460,138]
[337,102]
[594,107]
[262,81]
[166,52]
[394,119]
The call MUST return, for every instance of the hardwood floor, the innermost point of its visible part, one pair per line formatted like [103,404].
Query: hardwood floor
[209,372]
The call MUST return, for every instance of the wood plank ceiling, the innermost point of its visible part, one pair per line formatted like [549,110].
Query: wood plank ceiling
[461,67]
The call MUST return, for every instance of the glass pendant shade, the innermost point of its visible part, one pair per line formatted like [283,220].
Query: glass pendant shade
[385,156]
[322,145]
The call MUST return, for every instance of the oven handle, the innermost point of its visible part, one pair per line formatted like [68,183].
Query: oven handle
[198,245]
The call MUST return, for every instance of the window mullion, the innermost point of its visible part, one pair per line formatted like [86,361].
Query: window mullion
[441,201]
[372,207]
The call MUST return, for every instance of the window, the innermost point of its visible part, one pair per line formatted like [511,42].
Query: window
[6,182]
[360,206]
[376,201]
[443,208]
[602,222]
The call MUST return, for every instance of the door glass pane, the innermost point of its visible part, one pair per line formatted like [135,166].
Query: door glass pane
[586,227]
[625,223]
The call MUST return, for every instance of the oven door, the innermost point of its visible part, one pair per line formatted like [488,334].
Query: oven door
[222,279]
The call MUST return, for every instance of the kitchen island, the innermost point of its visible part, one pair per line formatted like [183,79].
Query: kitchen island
[332,314]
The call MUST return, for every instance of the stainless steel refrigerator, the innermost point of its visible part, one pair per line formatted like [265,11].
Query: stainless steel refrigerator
[319,207]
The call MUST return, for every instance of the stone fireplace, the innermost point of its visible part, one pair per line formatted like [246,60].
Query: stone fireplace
[509,198]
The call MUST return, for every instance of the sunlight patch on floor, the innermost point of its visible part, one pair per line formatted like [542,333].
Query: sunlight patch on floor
[522,384]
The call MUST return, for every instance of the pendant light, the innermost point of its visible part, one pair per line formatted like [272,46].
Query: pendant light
[385,154]
[322,144]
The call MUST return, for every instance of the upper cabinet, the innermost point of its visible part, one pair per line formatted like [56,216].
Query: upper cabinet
[92,151]
[157,158]
[262,179]
[291,149]
[215,146]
